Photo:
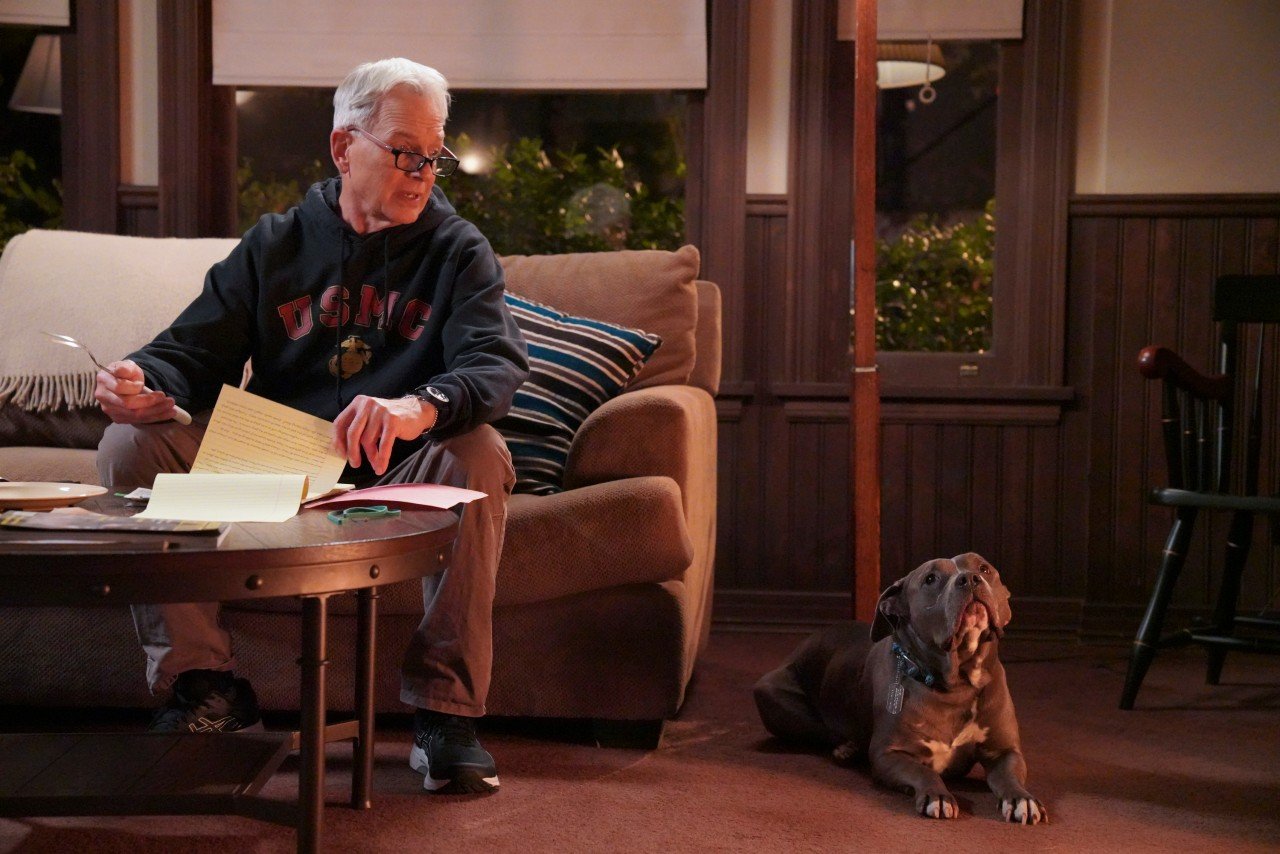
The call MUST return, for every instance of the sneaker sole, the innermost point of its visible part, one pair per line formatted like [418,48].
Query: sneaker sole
[255,727]
[467,781]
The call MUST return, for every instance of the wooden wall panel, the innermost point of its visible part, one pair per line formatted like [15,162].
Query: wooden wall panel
[138,210]
[984,509]
[734,500]
[744,560]
[715,195]
[894,444]
[951,488]
[1009,549]
[817,333]
[197,128]
[1158,268]
[91,117]
[1058,505]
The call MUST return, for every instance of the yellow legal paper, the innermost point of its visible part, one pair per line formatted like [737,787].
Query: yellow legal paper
[249,434]
[225,497]
[257,462]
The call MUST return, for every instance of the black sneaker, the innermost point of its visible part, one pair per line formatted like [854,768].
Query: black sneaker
[208,701]
[446,751]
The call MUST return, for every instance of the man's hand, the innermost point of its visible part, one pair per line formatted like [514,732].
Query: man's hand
[369,426]
[122,393]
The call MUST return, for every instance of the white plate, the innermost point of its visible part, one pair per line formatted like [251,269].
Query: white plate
[30,495]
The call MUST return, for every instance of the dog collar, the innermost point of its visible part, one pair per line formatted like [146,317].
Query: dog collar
[908,665]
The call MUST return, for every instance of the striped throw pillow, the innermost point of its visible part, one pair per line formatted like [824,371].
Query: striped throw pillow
[575,364]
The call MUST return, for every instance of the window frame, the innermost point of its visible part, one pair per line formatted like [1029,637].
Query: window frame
[1033,171]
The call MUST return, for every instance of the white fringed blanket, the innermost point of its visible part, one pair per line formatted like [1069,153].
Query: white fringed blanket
[112,293]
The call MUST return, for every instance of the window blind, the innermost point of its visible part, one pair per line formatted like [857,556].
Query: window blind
[544,45]
[36,13]
[941,20]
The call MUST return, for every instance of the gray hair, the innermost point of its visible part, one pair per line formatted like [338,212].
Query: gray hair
[356,100]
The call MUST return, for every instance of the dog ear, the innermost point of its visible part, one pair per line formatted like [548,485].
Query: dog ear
[891,611]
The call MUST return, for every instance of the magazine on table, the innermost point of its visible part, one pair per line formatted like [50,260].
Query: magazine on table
[76,519]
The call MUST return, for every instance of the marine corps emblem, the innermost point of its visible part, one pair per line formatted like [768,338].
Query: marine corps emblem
[353,354]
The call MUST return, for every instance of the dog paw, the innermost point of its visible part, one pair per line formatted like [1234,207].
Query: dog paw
[938,806]
[1023,811]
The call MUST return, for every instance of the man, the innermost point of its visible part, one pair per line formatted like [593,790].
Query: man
[372,304]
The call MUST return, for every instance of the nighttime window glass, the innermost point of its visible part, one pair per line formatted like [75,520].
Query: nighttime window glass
[935,204]
[539,173]
[30,144]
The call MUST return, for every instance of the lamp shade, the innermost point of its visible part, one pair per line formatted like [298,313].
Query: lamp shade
[901,64]
[39,88]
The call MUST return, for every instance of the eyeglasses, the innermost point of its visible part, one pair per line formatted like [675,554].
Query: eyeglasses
[442,165]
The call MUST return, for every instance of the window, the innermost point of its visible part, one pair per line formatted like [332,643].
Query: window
[606,172]
[1025,359]
[935,206]
[612,164]
[30,142]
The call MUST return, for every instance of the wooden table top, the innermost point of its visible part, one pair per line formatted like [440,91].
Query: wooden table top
[308,554]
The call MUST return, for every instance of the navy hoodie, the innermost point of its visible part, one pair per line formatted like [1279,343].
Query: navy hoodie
[427,299]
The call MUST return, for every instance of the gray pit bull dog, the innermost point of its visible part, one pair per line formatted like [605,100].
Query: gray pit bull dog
[922,694]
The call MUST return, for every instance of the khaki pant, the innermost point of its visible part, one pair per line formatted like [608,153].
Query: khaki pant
[448,663]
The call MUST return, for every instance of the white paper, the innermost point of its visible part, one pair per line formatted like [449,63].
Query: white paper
[226,497]
[249,434]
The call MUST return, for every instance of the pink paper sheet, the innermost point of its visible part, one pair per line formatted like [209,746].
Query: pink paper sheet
[402,495]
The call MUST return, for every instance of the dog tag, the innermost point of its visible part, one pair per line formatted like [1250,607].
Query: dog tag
[894,700]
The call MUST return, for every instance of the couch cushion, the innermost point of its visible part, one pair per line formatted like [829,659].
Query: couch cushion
[628,531]
[24,462]
[575,364]
[58,427]
[647,289]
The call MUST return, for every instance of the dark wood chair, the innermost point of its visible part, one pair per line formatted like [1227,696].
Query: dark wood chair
[1201,415]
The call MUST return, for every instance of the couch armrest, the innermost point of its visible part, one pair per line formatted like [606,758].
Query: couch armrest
[665,430]
[612,534]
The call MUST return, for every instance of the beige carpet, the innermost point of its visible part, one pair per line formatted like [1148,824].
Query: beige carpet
[1193,769]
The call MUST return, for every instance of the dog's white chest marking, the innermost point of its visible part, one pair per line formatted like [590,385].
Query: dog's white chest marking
[973,672]
[940,752]
[969,640]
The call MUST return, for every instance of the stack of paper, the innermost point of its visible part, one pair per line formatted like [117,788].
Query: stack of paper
[226,497]
[258,461]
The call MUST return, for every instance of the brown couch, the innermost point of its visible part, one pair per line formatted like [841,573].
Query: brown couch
[604,590]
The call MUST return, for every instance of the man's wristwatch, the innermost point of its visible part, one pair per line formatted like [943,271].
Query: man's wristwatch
[432,395]
[438,400]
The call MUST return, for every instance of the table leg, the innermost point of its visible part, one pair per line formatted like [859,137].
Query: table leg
[366,633]
[311,739]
